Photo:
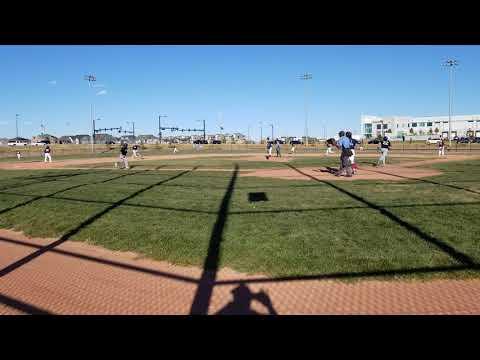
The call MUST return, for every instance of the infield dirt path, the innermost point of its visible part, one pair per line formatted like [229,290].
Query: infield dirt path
[77,278]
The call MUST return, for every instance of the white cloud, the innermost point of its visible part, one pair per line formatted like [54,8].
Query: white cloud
[53,82]
[102,92]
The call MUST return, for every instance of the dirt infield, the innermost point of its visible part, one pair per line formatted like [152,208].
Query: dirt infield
[390,172]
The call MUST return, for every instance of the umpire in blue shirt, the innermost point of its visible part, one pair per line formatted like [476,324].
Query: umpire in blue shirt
[344,145]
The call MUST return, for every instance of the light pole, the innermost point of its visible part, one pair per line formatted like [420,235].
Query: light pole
[450,63]
[272,130]
[306,76]
[16,124]
[133,128]
[90,79]
[160,128]
[261,132]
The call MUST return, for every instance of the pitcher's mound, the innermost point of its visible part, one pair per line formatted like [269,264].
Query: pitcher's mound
[389,172]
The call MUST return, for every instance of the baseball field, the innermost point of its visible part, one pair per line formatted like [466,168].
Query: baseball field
[415,218]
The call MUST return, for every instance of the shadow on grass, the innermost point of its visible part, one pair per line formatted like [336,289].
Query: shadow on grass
[426,181]
[449,250]
[84,224]
[204,291]
[242,295]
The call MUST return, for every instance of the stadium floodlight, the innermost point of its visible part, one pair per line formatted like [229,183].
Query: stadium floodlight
[160,128]
[16,124]
[450,64]
[90,79]
[306,76]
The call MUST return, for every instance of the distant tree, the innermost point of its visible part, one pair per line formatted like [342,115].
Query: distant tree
[436,130]
[421,132]
[411,131]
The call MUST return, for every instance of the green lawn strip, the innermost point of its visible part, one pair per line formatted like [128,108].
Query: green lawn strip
[327,231]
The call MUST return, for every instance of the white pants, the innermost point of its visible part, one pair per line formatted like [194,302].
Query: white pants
[352,158]
[441,151]
[19,156]
[383,156]
[293,150]
[175,150]
[124,160]
[48,156]
[270,151]
[135,153]
[329,150]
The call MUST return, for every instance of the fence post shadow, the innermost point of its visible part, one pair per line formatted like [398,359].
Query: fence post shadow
[204,291]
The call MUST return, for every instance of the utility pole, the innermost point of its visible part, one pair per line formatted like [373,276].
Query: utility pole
[90,79]
[306,76]
[261,132]
[272,130]
[450,63]
[160,128]
[16,124]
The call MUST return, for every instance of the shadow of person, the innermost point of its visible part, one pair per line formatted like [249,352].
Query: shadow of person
[242,300]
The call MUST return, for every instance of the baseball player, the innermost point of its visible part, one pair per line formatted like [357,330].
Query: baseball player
[19,156]
[136,154]
[292,150]
[441,147]
[175,150]
[278,148]
[385,146]
[269,148]
[47,153]
[123,156]
[329,143]
[352,148]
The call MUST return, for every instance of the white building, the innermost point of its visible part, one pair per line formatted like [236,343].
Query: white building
[419,128]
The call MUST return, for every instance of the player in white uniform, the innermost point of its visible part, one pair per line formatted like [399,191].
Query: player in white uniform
[136,154]
[441,147]
[47,152]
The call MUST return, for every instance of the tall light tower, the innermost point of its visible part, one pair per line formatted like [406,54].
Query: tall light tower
[450,63]
[16,124]
[160,128]
[306,76]
[272,130]
[261,132]
[90,79]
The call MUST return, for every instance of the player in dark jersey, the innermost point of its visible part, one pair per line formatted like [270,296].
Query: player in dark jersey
[384,147]
[47,153]
[123,156]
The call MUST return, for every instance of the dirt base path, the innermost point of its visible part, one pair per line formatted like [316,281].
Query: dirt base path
[78,278]
[59,164]
[389,172]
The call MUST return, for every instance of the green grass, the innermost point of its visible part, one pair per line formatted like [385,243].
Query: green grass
[305,227]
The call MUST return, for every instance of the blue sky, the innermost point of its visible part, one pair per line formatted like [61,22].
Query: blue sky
[246,84]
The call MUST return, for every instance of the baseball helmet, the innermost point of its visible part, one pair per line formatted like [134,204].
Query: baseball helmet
[348,134]
[341,133]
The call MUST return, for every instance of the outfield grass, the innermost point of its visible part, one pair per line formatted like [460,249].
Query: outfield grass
[305,227]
